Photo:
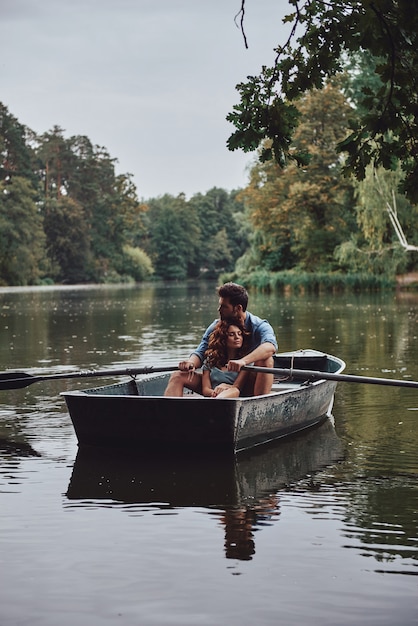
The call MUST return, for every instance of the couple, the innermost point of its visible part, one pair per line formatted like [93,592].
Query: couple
[238,338]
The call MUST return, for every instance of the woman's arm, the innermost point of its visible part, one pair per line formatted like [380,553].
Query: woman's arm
[234,391]
[229,392]
[207,390]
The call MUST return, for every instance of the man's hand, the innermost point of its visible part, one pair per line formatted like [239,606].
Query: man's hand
[235,365]
[188,366]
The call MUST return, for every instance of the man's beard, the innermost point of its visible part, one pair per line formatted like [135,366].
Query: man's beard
[231,316]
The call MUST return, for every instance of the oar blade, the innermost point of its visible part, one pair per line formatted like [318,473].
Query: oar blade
[15,380]
[18,380]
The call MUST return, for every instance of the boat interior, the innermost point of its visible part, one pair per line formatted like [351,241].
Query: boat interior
[155,384]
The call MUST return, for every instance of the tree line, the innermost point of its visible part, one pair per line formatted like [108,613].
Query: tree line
[311,218]
[66,217]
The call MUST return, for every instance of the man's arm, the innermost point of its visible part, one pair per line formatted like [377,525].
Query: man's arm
[198,355]
[262,353]
[192,362]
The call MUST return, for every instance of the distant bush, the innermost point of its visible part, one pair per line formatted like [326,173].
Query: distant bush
[136,263]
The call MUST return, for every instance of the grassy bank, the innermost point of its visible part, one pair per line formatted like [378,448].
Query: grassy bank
[306,282]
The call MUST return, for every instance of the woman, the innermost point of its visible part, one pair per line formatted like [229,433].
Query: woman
[226,342]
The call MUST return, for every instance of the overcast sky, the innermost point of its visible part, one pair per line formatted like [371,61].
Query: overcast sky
[150,80]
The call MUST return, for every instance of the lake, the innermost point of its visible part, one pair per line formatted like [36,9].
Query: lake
[318,530]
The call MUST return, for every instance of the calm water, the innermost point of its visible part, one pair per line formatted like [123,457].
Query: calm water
[320,530]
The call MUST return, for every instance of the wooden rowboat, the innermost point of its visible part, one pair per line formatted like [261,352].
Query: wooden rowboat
[135,412]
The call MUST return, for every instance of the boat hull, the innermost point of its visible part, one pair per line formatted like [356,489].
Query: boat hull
[135,413]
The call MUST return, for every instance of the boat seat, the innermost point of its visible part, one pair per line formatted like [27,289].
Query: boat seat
[281,386]
[317,362]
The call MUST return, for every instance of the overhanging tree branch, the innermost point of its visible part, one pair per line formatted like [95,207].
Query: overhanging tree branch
[241,13]
[385,132]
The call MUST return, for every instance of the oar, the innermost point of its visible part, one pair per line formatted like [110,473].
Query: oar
[17,380]
[345,378]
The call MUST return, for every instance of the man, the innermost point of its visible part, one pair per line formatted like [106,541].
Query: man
[233,300]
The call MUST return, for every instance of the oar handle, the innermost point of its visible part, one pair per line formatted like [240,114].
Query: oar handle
[130,371]
[346,378]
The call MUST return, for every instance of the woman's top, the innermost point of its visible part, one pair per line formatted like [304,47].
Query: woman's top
[260,332]
[218,376]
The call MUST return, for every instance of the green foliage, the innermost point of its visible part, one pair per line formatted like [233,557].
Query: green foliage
[92,226]
[67,240]
[259,116]
[323,36]
[21,234]
[223,229]
[219,254]
[299,215]
[136,263]
[91,201]
[15,153]
[376,248]
[174,237]
[66,216]
[301,282]
[85,214]
[202,236]
[355,255]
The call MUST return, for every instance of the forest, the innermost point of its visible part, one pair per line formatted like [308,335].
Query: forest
[66,217]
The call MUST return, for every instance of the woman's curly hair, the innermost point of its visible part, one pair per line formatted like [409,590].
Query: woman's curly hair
[216,354]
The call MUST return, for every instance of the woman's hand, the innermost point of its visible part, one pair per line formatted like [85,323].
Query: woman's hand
[231,391]
[219,389]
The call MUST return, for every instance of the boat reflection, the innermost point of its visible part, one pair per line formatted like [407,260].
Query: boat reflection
[242,488]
